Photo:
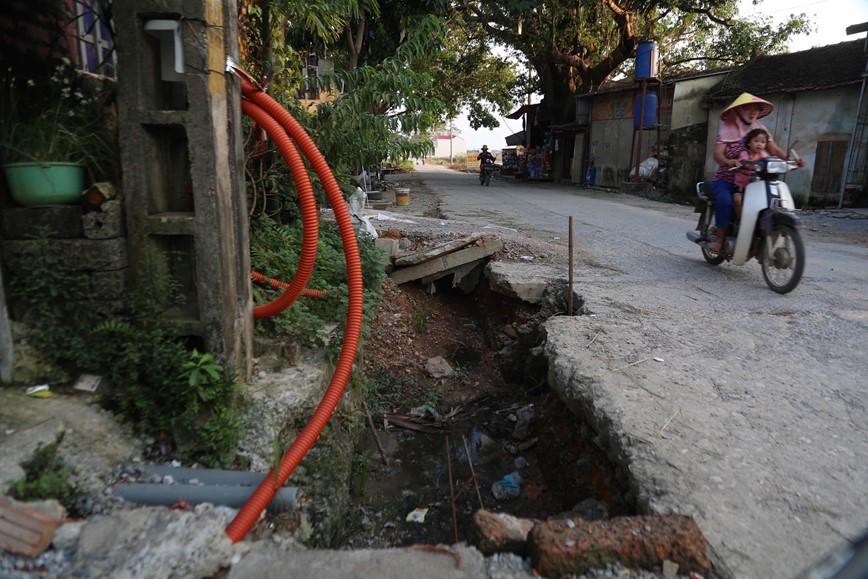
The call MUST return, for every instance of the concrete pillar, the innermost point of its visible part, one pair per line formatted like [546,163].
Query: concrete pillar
[183,187]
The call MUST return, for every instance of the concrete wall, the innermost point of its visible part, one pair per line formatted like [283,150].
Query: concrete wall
[687,139]
[799,121]
[612,134]
[442,147]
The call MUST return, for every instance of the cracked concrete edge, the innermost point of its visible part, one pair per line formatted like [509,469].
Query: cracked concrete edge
[584,395]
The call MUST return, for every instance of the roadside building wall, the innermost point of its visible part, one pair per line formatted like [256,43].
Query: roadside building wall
[688,135]
[442,148]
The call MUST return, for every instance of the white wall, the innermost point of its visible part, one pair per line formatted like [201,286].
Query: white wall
[442,148]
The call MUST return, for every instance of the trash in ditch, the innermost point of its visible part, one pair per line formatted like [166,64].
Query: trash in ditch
[417,516]
[41,391]
[507,487]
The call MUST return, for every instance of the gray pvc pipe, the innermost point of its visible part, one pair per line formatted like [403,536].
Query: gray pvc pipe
[230,496]
[207,476]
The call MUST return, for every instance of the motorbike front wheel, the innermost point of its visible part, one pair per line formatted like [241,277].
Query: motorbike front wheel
[784,265]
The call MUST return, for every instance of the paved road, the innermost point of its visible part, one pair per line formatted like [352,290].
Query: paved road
[754,416]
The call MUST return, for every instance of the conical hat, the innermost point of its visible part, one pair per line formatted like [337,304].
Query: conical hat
[745,98]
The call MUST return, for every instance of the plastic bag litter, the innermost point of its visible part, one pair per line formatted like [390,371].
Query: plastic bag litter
[507,487]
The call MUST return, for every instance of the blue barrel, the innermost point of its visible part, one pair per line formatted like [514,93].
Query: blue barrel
[647,60]
[650,110]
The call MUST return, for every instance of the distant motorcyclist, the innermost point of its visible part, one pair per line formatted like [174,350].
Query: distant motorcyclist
[484,156]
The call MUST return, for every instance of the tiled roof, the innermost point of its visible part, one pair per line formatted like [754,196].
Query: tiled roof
[815,69]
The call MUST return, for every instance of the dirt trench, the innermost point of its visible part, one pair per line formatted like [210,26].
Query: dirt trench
[494,407]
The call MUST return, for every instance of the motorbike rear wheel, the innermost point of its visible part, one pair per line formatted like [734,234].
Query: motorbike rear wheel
[783,268]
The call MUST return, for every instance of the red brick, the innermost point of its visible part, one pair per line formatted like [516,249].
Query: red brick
[557,550]
[24,530]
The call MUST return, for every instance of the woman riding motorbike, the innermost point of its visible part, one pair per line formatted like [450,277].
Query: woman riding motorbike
[737,120]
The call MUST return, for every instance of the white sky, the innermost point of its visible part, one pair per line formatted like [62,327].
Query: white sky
[830,17]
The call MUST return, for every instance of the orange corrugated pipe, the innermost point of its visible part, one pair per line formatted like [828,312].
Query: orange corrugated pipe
[251,510]
[309,215]
[276,283]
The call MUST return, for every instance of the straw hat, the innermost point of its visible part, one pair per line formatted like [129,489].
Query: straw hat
[745,98]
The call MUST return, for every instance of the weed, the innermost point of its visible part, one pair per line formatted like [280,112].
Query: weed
[44,478]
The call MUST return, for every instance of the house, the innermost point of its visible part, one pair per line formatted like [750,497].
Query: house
[449,146]
[816,94]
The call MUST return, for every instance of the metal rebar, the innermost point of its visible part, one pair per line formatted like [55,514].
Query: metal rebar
[451,491]
[570,296]
[374,432]
[472,472]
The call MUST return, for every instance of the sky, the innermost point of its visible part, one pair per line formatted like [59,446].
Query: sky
[830,17]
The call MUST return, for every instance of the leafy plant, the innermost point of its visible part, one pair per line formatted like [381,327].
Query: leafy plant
[202,370]
[275,251]
[157,383]
[59,119]
[43,477]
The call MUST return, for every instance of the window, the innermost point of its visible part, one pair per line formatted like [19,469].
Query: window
[829,166]
[94,38]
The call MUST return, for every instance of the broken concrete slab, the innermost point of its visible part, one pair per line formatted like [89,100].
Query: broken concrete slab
[419,562]
[521,280]
[417,257]
[447,262]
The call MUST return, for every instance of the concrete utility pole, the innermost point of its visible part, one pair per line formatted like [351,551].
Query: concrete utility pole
[182,161]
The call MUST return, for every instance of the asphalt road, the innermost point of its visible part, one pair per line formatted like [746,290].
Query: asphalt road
[744,408]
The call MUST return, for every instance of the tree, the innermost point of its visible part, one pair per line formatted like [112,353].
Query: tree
[574,47]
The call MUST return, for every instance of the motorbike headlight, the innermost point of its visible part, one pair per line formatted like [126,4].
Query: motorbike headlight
[777,166]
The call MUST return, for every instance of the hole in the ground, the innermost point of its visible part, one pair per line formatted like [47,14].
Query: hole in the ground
[528,455]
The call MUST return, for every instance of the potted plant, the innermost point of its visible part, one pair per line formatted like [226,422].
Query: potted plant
[52,135]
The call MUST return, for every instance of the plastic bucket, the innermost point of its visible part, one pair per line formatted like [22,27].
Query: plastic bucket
[42,184]
[402,196]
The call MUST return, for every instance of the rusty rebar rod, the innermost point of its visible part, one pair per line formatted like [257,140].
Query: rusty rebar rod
[374,432]
[451,490]
[472,472]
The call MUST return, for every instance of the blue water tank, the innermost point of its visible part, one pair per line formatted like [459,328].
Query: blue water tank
[647,60]
[650,110]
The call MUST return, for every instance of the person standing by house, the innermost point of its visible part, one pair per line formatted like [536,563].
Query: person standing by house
[736,121]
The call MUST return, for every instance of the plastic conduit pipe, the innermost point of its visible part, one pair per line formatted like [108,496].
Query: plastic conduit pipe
[276,283]
[243,521]
[309,215]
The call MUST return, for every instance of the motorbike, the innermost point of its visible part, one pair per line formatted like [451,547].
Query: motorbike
[767,230]
[486,169]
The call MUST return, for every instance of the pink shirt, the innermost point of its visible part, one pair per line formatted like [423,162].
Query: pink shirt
[742,177]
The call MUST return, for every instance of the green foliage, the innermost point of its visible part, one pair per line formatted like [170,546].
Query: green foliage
[43,477]
[158,384]
[573,47]
[275,252]
[202,371]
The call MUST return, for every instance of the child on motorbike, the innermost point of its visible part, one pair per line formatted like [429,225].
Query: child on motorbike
[755,143]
